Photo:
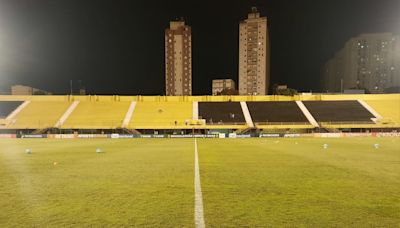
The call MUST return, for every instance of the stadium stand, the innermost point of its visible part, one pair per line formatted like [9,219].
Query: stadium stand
[39,115]
[276,112]
[97,115]
[333,112]
[7,107]
[161,115]
[221,113]
[389,109]
[339,111]
[284,131]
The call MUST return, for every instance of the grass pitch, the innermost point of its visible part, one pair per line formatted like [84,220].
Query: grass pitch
[139,183]
[245,182]
[278,183]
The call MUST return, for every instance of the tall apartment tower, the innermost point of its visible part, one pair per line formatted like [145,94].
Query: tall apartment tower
[369,61]
[254,55]
[178,59]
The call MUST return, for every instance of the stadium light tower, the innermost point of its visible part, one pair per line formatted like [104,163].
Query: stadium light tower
[70,86]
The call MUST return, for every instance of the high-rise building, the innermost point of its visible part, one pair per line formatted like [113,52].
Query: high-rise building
[220,85]
[178,59]
[370,62]
[254,55]
[27,90]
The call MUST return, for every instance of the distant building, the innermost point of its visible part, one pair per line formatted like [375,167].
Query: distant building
[354,91]
[369,62]
[27,90]
[2,92]
[254,55]
[178,59]
[222,84]
[82,91]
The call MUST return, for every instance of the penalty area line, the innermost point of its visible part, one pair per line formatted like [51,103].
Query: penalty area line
[198,199]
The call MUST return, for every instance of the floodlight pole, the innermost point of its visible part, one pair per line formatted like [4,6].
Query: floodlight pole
[341,85]
[70,86]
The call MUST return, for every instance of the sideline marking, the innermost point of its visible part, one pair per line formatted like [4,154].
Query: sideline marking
[198,199]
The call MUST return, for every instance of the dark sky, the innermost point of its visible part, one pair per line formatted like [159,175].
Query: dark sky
[117,46]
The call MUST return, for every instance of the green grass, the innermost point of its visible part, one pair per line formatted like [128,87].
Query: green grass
[245,183]
[139,183]
[278,183]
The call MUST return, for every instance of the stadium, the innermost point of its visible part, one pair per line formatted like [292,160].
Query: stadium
[195,161]
[207,115]
[199,113]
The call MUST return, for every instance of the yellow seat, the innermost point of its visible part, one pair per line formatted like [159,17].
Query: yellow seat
[388,109]
[162,115]
[39,115]
[97,115]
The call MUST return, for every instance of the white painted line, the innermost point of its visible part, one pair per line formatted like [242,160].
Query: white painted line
[307,113]
[370,109]
[67,113]
[18,110]
[198,200]
[246,114]
[129,113]
[195,110]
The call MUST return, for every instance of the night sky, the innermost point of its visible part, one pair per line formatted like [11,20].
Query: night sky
[117,46]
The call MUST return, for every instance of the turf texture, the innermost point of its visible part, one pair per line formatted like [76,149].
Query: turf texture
[245,182]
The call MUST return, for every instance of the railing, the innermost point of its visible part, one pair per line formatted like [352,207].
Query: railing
[346,123]
[226,123]
[46,124]
[179,124]
[282,123]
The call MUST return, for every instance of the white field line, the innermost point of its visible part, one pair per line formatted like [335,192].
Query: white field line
[198,200]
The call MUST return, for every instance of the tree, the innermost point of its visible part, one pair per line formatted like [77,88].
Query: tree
[39,92]
[275,89]
[228,91]
[283,91]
